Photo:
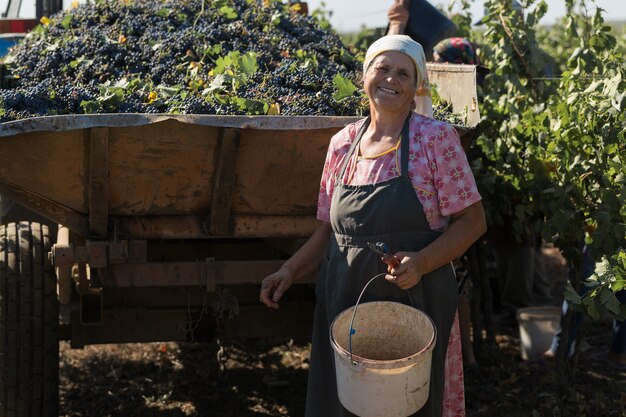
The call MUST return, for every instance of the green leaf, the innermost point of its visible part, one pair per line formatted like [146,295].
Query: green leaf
[222,63]
[228,12]
[218,84]
[248,63]
[138,84]
[571,296]
[591,307]
[612,85]
[214,50]
[252,107]
[90,106]
[168,92]
[67,21]
[275,19]
[343,87]
[164,12]
[610,301]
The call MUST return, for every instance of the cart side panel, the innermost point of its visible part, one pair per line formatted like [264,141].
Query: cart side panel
[170,168]
[162,168]
[50,164]
[278,171]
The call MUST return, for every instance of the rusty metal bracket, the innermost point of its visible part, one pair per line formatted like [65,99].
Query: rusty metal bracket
[99,253]
[68,254]
[91,305]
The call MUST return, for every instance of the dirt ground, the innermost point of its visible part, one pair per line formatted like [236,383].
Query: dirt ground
[268,378]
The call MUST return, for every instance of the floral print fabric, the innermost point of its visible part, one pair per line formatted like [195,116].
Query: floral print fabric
[438,169]
[454,389]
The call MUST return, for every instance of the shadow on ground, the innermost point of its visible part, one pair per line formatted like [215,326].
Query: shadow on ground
[262,378]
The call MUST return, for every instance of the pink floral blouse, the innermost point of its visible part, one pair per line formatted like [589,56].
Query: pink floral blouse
[438,169]
[444,184]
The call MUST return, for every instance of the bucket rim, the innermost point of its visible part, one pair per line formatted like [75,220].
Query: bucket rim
[384,364]
[545,312]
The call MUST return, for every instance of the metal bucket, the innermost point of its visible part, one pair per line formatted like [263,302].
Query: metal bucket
[537,326]
[383,363]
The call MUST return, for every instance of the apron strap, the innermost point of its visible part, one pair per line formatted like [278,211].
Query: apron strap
[404,147]
[355,143]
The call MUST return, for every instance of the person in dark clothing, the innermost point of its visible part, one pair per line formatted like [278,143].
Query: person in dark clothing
[420,20]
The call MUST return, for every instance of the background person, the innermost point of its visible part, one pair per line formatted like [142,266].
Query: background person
[615,355]
[396,177]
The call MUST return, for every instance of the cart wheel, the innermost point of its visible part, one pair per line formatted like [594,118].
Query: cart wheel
[29,311]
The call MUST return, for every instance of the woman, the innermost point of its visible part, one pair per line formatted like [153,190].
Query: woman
[395,177]
[456,51]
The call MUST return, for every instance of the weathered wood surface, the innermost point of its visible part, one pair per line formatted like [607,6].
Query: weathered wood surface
[171,171]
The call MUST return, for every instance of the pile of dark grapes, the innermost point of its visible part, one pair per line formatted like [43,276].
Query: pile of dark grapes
[180,56]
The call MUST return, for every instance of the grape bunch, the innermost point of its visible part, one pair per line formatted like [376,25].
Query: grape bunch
[180,56]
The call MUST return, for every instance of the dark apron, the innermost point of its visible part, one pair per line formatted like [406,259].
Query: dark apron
[389,212]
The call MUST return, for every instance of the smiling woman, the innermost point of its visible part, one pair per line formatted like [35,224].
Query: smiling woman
[391,82]
[403,179]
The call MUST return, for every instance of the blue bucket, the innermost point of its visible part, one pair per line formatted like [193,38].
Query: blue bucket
[427,25]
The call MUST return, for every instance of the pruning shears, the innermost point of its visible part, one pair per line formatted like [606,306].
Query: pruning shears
[381,249]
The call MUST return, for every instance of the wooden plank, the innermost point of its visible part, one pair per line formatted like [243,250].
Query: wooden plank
[53,165]
[70,122]
[293,319]
[197,227]
[223,182]
[274,226]
[131,325]
[194,274]
[161,169]
[52,210]
[99,181]
[278,172]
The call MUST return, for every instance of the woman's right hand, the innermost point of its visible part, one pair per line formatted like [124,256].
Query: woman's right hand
[305,261]
[274,286]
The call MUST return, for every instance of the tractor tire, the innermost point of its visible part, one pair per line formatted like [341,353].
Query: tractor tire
[29,322]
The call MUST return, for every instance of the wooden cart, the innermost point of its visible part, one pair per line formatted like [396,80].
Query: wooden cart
[157,227]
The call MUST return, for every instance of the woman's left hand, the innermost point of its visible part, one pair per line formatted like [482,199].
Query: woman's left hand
[398,15]
[408,273]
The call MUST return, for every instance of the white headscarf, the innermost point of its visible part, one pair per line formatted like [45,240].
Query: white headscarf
[406,45]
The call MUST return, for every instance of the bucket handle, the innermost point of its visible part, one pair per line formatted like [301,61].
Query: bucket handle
[352,331]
